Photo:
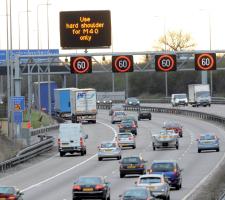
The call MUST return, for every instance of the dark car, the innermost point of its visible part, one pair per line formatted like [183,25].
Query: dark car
[137,193]
[115,107]
[128,125]
[132,118]
[132,165]
[174,126]
[132,101]
[170,169]
[144,114]
[92,187]
[10,193]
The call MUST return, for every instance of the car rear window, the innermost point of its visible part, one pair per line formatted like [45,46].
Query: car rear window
[119,113]
[108,145]
[133,160]
[138,193]
[7,190]
[207,137]
[127,122]
[162,167]
[89,180]
[150,180]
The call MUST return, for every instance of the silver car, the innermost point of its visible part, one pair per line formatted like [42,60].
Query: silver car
[156,183]
[118,116]
[109,150]
[126,139]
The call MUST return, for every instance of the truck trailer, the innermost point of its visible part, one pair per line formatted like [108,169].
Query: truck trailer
[44,97]
[83,105]
[199,95]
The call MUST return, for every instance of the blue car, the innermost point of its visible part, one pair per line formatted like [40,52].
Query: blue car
[171,171]
[208,141]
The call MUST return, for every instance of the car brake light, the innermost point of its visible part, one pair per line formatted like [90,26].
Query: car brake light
[130,138]
[11,197]
[81,142]
[76,187]
[133,125]
[99,187]
[58,141]
[142,166]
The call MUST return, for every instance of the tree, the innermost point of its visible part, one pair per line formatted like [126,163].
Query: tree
[175,41]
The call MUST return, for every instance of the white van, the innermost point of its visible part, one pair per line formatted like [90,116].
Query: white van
[179,99]
[71,139]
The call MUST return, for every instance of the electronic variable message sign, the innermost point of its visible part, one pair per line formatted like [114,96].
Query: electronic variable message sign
[122,64]
[165,63]
[85,29]
[80,65]
[205,61]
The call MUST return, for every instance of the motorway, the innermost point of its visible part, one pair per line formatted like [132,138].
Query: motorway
[52,178]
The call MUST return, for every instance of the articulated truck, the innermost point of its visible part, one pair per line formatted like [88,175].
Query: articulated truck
[199,95]
[83,105]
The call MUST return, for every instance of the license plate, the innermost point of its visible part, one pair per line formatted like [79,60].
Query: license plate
[131,167]
[87,189]
[151,187]
[108,150]
[164,136]
[2,198]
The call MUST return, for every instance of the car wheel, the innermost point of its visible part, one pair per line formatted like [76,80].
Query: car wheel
[119,158]
[153,146]
[150,118]
[134,147]
[139,118]
[177,146]
[61,154]
[199,151]
[177,187]
[82,153]
[113,122]
[99,159]
[218,150]
[108,197]
[168,198]
[122,175]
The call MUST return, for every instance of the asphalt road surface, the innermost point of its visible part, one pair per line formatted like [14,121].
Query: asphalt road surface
[52,178]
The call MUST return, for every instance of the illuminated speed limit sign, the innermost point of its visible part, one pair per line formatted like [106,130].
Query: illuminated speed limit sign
[80,65]
[205,61]
[122,64]
[165,63]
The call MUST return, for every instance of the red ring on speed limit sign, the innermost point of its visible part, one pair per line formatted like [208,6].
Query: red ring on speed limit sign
[75,65]
[127,59]
[172,62]
[199,63]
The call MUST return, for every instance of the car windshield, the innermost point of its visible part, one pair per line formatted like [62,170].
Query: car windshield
[162,167]
[171,125]
[180,96]
[89,180]
[150,180]
[124,135]
[132,100]
[203,94]
[127,122]
[207,137]
[138,193]
[133,160]
[108,145]
[119,113]
[7,190]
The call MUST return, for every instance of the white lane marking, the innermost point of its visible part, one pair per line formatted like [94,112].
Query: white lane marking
[59,174]
[68,170]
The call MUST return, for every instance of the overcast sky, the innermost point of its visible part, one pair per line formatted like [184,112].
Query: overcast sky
[136,24]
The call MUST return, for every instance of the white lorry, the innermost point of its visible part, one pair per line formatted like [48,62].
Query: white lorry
[83,105]
[199,95]
[71,139]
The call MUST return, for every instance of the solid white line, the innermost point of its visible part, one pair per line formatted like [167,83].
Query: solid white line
[68,170]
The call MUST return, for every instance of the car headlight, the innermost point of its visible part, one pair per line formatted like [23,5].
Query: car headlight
[130,102]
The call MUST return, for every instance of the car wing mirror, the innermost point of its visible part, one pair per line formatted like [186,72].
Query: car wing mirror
[86,136]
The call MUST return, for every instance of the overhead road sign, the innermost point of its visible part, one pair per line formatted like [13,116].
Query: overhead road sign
[85,29]
[26,52]
[80,65]
[205,61]
[165,63]
[122,64]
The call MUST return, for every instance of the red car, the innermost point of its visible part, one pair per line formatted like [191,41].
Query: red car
[174,126]
[10,193]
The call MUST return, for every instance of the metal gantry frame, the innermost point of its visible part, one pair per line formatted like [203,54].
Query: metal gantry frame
[30,65]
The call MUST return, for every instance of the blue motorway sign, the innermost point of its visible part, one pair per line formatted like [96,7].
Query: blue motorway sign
[18,103]
[18,117]
[28,52]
